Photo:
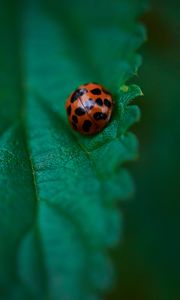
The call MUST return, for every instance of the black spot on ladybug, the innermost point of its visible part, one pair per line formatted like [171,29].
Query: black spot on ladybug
[107,103]
[80,111]
[75,119]
[78,93]
[100,116]
[89,104]
[74,126]
[96,91]
[87,125]
[99,101]
[74,97]
[69,110]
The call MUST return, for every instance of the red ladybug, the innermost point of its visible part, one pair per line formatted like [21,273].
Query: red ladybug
[89,108]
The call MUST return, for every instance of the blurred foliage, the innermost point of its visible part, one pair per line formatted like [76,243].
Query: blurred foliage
[149,261]
[60,191]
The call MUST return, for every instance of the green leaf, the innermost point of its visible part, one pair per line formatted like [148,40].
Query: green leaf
[60,191]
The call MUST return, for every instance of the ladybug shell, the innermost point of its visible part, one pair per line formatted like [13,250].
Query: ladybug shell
[89,108]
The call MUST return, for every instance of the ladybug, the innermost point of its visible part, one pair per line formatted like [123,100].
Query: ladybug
[89,108]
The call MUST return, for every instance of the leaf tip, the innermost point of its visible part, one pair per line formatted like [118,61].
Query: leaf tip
[141,92]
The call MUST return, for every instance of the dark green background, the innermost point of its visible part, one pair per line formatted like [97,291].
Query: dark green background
[149,262]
